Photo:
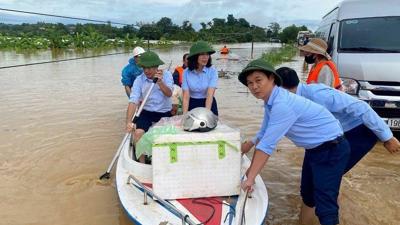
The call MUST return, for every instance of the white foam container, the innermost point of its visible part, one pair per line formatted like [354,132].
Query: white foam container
[202,167]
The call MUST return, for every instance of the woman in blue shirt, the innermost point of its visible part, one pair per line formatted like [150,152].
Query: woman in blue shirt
[200,79]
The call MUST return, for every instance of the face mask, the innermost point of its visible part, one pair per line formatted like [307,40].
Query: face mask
[309,59]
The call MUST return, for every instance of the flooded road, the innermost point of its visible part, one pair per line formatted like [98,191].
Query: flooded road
[61,124]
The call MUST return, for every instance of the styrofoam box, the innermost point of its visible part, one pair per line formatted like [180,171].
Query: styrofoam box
[198,171]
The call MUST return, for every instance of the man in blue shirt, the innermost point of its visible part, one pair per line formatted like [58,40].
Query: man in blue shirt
[158,103]
[362,126]
[308,125]
[131,71]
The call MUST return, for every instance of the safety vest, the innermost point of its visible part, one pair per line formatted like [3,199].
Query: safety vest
[224,50]
[180,71]
[314,73]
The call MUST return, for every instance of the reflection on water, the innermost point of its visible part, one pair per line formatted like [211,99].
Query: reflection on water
[61,124]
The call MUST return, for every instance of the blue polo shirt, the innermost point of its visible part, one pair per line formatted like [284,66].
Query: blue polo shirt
[157,101]
[351,112]
[198,83]
[304,122]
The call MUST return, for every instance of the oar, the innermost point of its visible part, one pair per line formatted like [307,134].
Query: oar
[106,175]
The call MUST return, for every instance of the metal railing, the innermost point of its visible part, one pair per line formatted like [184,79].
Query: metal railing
[146,191]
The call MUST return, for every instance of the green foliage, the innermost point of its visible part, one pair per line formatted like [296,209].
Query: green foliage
[289,34]
[60,36]
[280,55]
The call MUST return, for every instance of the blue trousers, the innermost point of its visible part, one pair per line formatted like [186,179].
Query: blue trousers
[361,140]
[201,102]
[323,168]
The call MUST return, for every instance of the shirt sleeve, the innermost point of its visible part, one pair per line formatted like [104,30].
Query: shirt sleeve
[185,85]
[136,93]
[360,109]
[213,78]
[326,76]
[126,78]
[281,120]
[168,80]
[261,132]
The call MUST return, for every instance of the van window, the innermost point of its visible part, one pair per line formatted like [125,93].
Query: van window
[375,35]
[331,38]
[323,32]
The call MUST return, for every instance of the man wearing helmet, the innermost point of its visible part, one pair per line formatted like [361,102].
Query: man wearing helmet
[131,71]
[158,103]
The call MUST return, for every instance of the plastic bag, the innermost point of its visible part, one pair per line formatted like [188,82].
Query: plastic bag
[144,145]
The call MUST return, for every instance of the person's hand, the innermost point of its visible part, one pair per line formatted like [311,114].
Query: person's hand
[159,75]
[246,147]
[130,127]
[248,185]
[392,145]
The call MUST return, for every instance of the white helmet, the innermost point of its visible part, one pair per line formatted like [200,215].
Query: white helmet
[137,51]
[200,119]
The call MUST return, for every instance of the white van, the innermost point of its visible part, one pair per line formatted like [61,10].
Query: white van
[363,39]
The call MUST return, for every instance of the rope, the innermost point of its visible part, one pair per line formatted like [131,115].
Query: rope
[65,17]
[61,60]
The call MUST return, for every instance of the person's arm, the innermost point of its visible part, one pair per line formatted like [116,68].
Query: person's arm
[185,101]
[185,93]
[392,145]
[128,91]
[129,116]
[210,96]
[326,76]
[164,84]
[258,162]
[212,86]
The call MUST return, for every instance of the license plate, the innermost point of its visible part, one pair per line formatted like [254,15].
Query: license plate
[394,123]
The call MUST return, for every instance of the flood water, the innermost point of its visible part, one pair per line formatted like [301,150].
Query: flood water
[61,124]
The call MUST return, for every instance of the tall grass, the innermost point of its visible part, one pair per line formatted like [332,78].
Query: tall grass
[280,55]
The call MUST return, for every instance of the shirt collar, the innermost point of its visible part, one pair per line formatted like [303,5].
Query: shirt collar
[274,93]
[299,89]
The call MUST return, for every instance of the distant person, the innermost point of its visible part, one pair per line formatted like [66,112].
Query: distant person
[200,79]
[306,40]
[224,50]
[324,69]
[131,71]
[158,104]
[178,73]
[361,125]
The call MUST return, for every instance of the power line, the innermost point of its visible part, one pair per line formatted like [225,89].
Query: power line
[61,60]
[65,17]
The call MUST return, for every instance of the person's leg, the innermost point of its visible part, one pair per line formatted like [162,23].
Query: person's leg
[143,124]
[328,164]
[307,213]
[361,140]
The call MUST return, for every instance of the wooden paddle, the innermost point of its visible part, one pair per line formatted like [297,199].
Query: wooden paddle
[106,175]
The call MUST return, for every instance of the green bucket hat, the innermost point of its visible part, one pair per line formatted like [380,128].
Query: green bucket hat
[258,64]
[200,47]
[149,59]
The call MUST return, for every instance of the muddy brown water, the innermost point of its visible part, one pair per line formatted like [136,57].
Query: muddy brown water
[61,124]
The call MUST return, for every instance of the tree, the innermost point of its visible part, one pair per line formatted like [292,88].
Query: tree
[289,34]
[275,28]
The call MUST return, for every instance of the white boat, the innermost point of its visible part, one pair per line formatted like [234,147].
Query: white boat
[134,182]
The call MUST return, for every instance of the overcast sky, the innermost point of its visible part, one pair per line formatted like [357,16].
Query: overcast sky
[258,12]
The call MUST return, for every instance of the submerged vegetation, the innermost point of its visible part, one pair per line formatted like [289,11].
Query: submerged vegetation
[280,55]
[87,36]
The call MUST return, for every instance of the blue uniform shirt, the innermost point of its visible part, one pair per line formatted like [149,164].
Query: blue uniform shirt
[198,83]
[350,111]
[304,122]
[157,101]
[130,72]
